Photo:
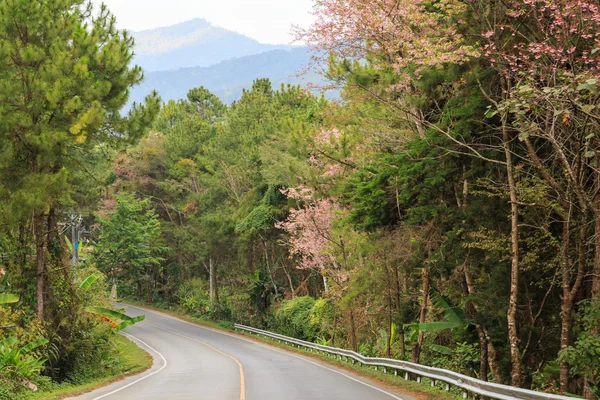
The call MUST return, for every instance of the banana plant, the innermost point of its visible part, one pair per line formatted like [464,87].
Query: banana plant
[454,318]
[89,281]
[118,321]
[6,298]
[18,360]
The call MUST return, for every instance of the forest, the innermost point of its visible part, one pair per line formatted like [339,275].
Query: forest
[445,211]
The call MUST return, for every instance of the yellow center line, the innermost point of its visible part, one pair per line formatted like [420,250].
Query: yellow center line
[242,384]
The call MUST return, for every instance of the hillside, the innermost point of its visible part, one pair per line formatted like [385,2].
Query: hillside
[228,78]
[195,43]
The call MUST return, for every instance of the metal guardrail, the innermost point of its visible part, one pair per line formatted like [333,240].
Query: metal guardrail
[466,383]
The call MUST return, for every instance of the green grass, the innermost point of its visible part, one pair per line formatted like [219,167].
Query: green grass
[132,360]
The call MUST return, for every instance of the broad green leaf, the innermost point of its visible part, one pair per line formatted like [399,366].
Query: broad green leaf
[34,345]
[69,244]
[454,315]
[9,341]
[129,322]
[441,349]
[6,298]
[89,281]
[105,312]
[438,326]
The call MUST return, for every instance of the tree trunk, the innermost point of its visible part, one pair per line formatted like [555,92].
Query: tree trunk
[511,317]
[416,346]
[353,342]
[589,379]
[473,309]
[566,307]
[388,282]
[40,255]
[397,286]
[290,282]
[212,278]
[269,270]
[401,337]
[402,343]
[596,271]
[113,293]
[483,354]
[493,361]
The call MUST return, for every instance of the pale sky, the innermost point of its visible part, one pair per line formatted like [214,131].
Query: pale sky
[268,21]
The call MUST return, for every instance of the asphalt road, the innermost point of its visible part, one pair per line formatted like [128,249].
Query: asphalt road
[193,362]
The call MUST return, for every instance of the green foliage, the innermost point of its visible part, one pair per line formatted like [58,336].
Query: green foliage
[117,320]
[89,281]
[6,298]
[128,246]
[75,72]
[583,356]
[455,317]
[20,362]
[302,317]
[463,358]
[194,298]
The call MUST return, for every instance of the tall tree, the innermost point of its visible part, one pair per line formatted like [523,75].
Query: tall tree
[64,76]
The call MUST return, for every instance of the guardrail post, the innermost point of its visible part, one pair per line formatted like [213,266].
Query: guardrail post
[447,387]
[418,379]
[433,383]
[406,376]
[395,372]
[384,370]
[465,395]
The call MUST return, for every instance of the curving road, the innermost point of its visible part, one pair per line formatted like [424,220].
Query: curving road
[193,362]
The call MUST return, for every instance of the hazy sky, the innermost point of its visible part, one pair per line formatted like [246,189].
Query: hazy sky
[268,21]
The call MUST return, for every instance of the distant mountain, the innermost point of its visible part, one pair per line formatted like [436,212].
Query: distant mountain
[228,78]
[194,43]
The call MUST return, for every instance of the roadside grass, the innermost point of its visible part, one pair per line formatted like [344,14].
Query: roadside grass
[130,358]
[420,391]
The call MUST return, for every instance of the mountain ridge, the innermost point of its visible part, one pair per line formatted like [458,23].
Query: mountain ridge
[228,78]
[193,43]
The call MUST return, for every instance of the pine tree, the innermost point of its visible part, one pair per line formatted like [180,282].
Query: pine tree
[64,76]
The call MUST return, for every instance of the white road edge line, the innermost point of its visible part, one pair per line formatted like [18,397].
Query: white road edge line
[267,347]
[143,377]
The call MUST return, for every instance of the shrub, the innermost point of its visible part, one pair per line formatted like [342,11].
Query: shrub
[193,298]
[303,318]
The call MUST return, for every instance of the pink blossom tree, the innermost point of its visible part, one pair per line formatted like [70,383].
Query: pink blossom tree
[312,238]
[310,229]
[390,33]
